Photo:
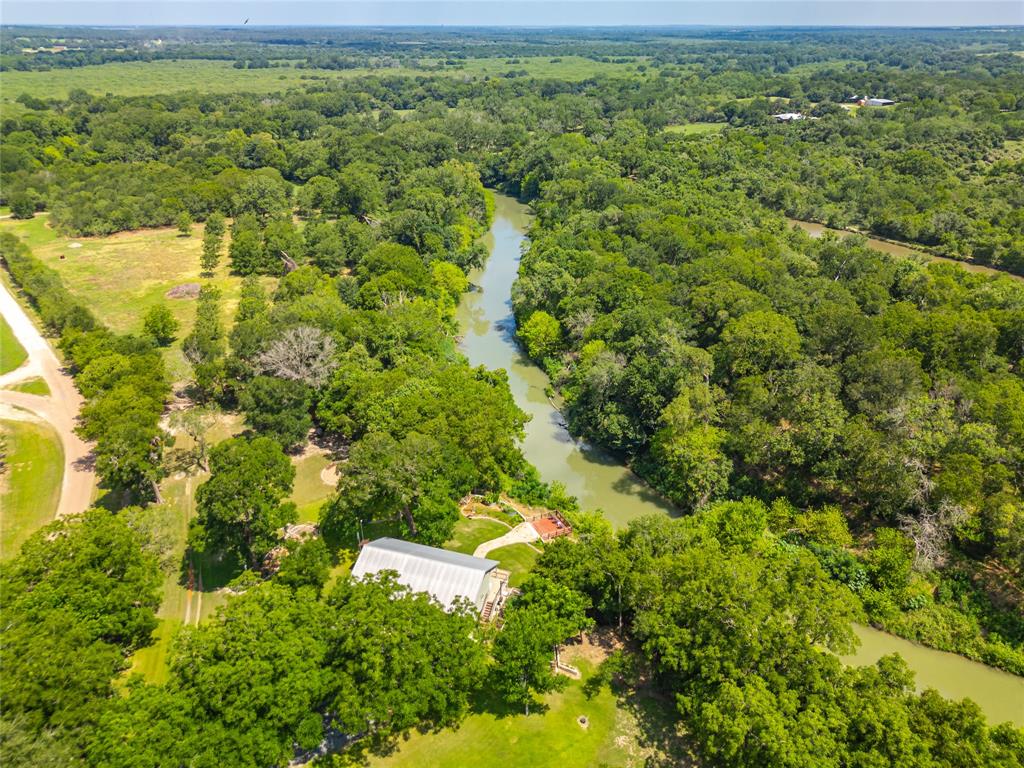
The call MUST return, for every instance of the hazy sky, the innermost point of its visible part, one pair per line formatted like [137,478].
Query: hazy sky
[519,12]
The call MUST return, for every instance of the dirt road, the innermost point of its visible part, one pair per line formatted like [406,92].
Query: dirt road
[60,408]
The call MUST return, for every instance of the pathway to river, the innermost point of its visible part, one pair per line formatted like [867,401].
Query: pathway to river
[599,481]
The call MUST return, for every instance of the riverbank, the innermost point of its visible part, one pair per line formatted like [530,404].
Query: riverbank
[596,478]
[999,694]
[599,481]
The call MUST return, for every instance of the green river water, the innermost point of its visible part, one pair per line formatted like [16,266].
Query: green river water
[600,481]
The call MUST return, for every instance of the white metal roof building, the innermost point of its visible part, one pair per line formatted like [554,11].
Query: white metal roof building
[442,574]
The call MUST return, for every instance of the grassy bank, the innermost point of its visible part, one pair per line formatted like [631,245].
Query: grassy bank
[30,484]
[12,354]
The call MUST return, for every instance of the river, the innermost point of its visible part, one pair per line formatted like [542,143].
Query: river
[485,318]
[896,249]
[599,481]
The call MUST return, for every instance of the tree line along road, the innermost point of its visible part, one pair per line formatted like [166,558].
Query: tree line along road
[60,408]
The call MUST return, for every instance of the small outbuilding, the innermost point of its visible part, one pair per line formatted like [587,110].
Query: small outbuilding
[788,117]
[444,575]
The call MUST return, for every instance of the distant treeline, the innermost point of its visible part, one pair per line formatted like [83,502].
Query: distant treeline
[774,50]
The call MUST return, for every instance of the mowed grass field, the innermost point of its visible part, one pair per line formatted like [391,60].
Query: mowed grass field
[470,534]
[138,78]
[30,486]
[696,129]
[499,738]
[517,559]
[121,276]
[145,78]
[12,354]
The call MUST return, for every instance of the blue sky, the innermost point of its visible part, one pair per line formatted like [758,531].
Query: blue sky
[521,12]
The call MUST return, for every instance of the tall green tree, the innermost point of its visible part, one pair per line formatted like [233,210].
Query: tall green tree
[82,593]
[536,622]
[396,660]
[277,408]
[239,509]
[213,241]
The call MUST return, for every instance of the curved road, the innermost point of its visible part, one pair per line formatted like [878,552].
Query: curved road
[60,408]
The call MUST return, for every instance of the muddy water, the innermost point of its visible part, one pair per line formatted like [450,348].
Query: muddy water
[999,694]
[895,249]
[485,319]
[601,482]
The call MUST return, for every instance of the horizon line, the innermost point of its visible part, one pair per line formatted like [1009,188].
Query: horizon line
[521,14]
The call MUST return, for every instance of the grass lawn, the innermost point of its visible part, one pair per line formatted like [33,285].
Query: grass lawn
[12,354]
[33,386]
[308,486]
[696,129]
[30,488]
[567,68]
[310,492]
[136,78]
[120,276]
[517,559]
[469,534]
[498,738]
[310,513]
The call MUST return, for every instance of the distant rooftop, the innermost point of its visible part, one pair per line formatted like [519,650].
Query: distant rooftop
[444,575]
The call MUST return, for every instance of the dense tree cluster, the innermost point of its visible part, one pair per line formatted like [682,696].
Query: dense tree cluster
[724,356]
[278,666]
[736,625]
[940,169]
[844,428]
[82,593]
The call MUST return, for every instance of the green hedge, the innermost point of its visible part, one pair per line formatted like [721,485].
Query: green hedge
[44,287]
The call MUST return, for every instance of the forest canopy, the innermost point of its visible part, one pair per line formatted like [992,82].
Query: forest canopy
[839,429]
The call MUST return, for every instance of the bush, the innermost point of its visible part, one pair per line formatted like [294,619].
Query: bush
[22,205]
[160,324]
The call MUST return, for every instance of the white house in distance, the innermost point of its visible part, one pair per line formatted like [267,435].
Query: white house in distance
[788,117]
[443,575]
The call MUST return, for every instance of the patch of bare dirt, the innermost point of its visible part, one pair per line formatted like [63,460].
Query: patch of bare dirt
[183,291]
[594,646]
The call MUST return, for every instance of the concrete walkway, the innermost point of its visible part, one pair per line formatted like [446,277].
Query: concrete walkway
[523,533]
[60,408]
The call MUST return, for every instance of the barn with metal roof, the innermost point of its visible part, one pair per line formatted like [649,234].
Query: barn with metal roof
[442,574]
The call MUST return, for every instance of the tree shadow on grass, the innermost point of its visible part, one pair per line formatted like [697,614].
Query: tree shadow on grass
[115,499]
[208,572]
[660,731]
[487,700]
